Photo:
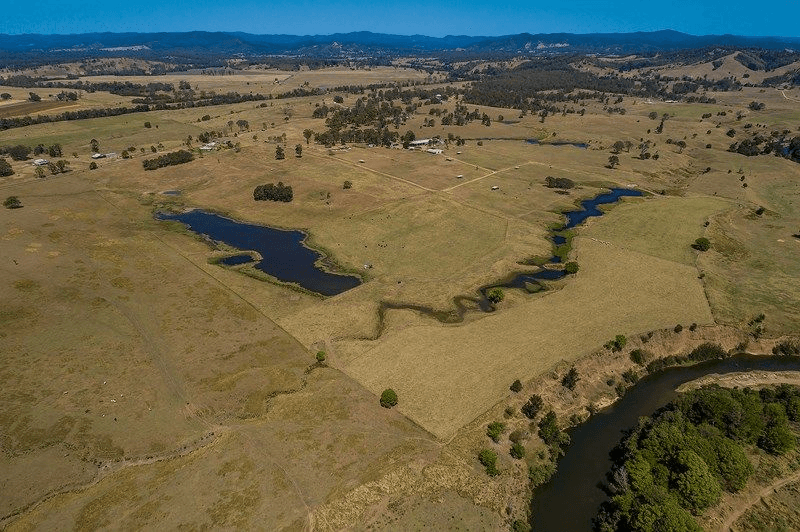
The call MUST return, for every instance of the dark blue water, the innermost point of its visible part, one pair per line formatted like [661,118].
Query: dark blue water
[236,260]
[284,256]
[582,145]
[589,209]
[570,500]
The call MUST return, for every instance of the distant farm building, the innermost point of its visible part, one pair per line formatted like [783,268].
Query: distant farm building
[420,142]
[434,151]
[98,156]
[40,162]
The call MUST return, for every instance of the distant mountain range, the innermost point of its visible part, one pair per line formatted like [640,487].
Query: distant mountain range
[367,43]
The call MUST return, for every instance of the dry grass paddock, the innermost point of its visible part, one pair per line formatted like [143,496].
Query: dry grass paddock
[186,348]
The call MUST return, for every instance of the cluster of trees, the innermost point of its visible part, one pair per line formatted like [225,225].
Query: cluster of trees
[679,461]
[168,159]
[18,152]
[53,150]
[272,192]
[778,143]
[559,182]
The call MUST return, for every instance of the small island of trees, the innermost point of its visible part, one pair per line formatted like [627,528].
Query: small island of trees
[272,192]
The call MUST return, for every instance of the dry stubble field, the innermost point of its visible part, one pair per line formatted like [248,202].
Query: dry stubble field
[192,348]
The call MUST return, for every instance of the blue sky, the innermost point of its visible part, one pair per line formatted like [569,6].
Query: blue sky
[465,17]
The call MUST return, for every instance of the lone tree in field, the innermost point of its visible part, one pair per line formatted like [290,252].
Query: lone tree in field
[516,386]
[298,150]
[308,133]
[388,398]
[495,295]
[320,356]
[617,147]
[613,161]
[94,145]
[572,267]
[279,153]
[702,244]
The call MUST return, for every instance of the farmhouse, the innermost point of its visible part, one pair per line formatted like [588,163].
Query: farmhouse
[434,151]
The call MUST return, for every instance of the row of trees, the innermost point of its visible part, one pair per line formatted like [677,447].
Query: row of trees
[168,159]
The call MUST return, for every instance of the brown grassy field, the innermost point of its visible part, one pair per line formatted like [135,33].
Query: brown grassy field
[124,348]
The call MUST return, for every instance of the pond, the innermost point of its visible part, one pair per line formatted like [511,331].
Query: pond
[570,500]
[285,256]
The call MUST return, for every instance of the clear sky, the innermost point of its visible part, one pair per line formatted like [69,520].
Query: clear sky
[433,18]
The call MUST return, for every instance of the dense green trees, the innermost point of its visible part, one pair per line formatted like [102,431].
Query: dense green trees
[271,192]
[495,295]
[388,398]
[679,461]
[702,244]
[532,408]
[168,159]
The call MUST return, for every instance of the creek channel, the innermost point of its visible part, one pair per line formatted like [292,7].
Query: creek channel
[572,497]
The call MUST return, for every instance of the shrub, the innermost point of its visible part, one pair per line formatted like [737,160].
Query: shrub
[787,348]
[571,267]
[707,351]
[678,328]
[519,435]
[617,344]
[495,295]
[630,376]
[347,185]
[532,408]
[509,412]
[520,526]
[12,202]
[5,168]
[517,451]
[693,326]
[321,358]
[488,459]
[638,356]
[147,125]
[388,398]
[495,429]
[516,386]
[570,379]
[92,165]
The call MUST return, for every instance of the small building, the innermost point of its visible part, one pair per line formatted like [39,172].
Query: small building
[434,151]
[459,176]
[40,162]
[495,187]
[420,142]
[98,156]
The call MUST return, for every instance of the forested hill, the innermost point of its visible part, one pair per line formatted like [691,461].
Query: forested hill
[340,45]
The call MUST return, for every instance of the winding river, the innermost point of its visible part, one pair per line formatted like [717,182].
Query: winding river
[571,498]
